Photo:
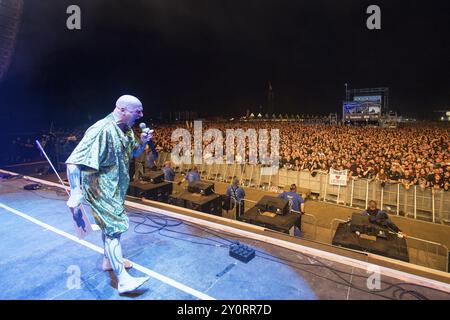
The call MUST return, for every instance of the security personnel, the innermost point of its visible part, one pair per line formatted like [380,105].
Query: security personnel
[237,195]
[296,202]
[191,177]
[169,174]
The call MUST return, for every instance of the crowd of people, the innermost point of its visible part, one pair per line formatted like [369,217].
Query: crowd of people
[411,154]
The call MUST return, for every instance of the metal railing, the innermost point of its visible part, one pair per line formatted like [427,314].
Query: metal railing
[413,203]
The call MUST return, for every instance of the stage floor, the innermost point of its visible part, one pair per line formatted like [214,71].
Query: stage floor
[41,258]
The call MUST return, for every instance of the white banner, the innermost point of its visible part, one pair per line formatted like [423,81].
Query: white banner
[338,177]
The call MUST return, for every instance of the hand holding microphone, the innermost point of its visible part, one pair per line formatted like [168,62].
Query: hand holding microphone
[146,134]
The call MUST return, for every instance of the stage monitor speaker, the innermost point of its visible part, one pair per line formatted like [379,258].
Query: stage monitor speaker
[273,204]
[151,191]
[212,207]
[154,177]
[208,204]
[202,187]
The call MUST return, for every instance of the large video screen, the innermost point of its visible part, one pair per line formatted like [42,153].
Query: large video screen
[362,107]
[361,110]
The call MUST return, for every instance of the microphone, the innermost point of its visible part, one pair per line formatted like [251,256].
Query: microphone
[144,129]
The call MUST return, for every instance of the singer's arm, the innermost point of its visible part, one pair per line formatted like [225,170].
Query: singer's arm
[139,149]
[74,176]
[76,194]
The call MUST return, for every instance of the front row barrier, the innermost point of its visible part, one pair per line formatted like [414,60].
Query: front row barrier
[413,203]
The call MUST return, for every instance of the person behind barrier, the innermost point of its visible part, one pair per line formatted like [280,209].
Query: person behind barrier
[237,195]
[169,174]
[380,217]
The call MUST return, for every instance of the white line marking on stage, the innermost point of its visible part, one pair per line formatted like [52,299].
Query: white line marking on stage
[151,273]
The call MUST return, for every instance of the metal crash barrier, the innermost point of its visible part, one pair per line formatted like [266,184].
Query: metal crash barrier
[412,203]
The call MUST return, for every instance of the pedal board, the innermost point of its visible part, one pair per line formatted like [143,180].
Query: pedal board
[242,252]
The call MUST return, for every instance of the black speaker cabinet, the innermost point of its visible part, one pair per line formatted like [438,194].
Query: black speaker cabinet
[202,187]
[151,191]
[273,204]
[211,204]
[154,177]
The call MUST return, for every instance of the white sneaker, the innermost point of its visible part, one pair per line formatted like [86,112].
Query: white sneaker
[131,284]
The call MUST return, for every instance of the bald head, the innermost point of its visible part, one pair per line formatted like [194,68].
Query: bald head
[128,110]
[127,101]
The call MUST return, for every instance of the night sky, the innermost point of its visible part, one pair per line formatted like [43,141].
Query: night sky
[217,56]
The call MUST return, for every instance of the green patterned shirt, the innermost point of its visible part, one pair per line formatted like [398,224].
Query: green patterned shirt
[103,155]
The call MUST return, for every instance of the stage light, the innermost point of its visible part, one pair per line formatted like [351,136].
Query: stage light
[10,14]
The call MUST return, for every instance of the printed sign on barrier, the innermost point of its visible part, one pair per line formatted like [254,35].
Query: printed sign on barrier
[338,177]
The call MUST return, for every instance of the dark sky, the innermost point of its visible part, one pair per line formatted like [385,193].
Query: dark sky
[217,56]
